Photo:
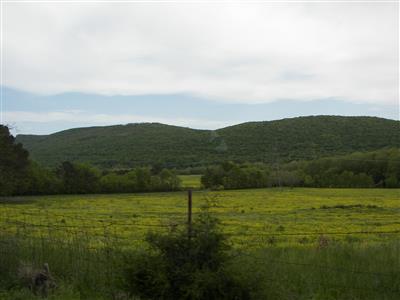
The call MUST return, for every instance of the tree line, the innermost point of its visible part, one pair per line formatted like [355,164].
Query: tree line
[358,170]
[21,176]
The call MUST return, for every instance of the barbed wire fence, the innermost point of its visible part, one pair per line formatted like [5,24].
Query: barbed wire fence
[90,242]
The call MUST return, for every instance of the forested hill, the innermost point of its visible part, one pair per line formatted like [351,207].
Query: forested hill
[125,146]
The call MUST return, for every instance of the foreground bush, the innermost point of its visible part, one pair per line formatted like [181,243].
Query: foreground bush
[179,266]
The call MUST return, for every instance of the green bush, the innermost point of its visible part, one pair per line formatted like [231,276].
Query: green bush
[177,266]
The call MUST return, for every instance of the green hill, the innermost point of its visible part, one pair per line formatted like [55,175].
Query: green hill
[124,146]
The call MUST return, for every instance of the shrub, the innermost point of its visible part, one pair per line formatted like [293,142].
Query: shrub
[177,266]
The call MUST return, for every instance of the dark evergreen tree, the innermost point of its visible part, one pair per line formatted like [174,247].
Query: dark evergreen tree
[14,163]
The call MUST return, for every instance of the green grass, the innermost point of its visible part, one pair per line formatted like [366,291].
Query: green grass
[338,271]
[255,217]
[190,181]
[288,243]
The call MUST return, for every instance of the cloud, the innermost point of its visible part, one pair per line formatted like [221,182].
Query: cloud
[253,53]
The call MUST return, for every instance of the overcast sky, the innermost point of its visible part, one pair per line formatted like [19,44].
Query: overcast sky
[231,53]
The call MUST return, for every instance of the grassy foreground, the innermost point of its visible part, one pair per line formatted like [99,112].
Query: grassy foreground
[337,271]
[288,243]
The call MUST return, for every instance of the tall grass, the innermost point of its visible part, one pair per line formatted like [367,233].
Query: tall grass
[89,272]
[342,271]
[331,271]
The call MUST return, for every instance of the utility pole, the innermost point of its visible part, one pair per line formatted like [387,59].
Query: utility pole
[189,213]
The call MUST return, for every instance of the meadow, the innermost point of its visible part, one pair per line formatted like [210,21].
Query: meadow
[190,181]
[297,243]
[261,216]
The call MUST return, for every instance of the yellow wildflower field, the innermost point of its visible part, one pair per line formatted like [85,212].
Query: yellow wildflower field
[251,218]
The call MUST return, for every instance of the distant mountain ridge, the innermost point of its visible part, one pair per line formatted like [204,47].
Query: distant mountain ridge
[125,146]
[45,114]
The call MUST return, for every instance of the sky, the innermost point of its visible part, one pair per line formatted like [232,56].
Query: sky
[201,65]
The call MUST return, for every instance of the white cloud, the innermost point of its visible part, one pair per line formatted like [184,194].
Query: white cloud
[230,52]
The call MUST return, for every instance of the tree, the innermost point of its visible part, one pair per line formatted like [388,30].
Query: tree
[392,182]
[40,180]
[78,178]
[143,179]
[114,183]
[13,163]
[169,180]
